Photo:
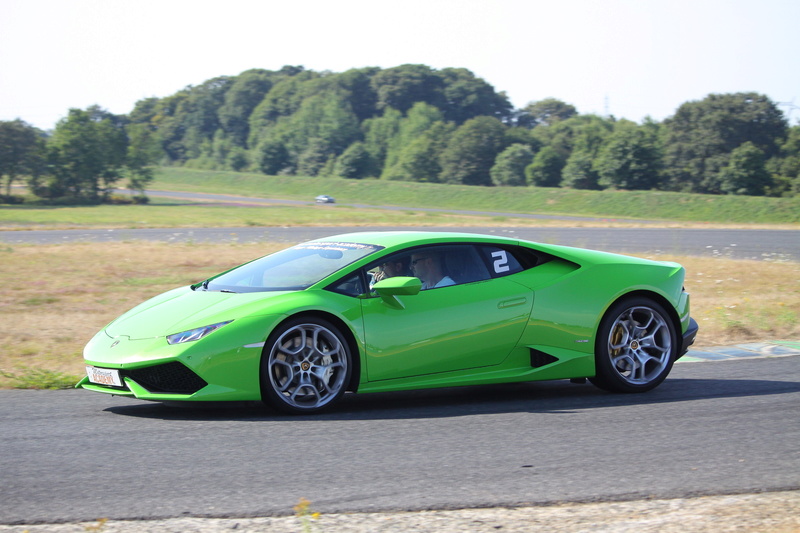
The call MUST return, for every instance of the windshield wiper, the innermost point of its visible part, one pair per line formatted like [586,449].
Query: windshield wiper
[204,286]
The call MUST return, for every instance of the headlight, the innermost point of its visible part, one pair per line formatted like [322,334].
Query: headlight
[194,334]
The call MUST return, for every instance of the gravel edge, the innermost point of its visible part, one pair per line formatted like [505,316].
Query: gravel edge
[776,512]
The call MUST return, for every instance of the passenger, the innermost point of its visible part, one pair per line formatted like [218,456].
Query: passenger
[390,269]
[427,266]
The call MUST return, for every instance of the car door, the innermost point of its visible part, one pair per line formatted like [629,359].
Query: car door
[470,324]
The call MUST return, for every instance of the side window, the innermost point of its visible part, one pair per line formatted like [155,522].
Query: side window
[352,285]
[443,265]
[463,264]
[389,267]
[437,266]
[501,261]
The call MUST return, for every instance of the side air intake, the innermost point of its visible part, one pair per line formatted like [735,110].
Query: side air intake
[540,359]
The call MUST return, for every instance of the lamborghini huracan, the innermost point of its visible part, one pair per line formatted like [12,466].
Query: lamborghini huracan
[389,311]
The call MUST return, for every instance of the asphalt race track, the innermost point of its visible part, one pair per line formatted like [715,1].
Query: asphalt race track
[714,427]
[737,244]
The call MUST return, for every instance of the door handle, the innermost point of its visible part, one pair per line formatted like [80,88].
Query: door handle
[512,303]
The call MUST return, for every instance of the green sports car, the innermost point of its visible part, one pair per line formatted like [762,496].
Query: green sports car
[389,311]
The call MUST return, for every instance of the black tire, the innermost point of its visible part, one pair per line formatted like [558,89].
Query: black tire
[635,347]
[305,367]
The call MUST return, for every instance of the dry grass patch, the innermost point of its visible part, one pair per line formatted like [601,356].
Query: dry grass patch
[55,298]
[740,301]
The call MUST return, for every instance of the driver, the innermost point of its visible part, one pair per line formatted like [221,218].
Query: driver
[397,266]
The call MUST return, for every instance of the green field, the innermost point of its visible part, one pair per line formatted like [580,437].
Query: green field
[167,213]
[608,207]
[646,205]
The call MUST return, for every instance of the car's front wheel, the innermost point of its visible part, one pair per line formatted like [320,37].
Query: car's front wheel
[306,366]
[636,346]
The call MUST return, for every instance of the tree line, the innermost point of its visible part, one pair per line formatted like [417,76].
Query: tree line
[81,160]
[409,123]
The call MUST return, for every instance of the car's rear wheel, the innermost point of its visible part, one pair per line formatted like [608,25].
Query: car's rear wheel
[306,366]
[636,346]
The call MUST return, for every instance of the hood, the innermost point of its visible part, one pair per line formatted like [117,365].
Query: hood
[184,309]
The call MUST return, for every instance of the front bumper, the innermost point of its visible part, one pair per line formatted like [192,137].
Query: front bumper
[172,378]
[224,365]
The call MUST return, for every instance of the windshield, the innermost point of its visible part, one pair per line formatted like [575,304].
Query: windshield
[292,269]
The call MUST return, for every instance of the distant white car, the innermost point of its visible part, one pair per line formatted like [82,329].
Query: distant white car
[325,199]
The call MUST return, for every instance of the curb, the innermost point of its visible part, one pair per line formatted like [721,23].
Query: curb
[742,351]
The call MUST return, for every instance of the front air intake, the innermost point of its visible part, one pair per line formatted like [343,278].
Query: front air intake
[171,378]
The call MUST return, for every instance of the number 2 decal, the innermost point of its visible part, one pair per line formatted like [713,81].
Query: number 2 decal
[500,261]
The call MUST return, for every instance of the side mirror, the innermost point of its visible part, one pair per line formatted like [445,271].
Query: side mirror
[390,288]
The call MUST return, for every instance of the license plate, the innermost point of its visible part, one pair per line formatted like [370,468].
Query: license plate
[104,376]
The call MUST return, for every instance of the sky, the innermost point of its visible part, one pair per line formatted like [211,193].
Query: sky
[627,58]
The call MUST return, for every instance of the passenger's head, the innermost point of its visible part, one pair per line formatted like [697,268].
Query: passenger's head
[427,266]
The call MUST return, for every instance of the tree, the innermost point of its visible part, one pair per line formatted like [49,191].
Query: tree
[421,117]
[238,159]
[283,100]
[581,132]
[545,113]
[357,85]
[471,152]
[88,151]
[517,135]
[197,114]
[785,167]
[354,163]
[745,172]
[401,87]
[378,132]
[272,157]
[579,172]
[143,151]
[420,159]
[313,158]
[246,92]
[466,96]
[145,112]
[325,118]
[631,159]
[21,151]
[545,170]
[457,92]
[509,168]
[170,129]
[699,138]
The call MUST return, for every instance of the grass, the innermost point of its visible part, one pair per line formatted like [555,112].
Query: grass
[671,209]
[38,378]
[164,213]
[646,205]
[56,297]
